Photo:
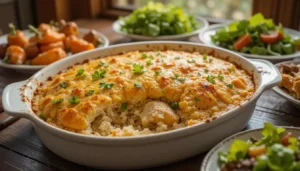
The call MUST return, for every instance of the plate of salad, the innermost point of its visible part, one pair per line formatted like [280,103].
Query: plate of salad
[156,21]
[266,149]
[256,37]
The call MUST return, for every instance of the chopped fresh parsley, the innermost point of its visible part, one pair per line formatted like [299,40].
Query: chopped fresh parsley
[197,99]
[231,69]
[206,70]
[191,61]
[98,74]
[90,92]
[230,85]
[158,53]
[174,105]
[221,77]
[74,100]
[106,85]
[211,79]
[157,73]
[143,55]
[199,74]
[181,79]
[177,57]
[57,101]
[102,64]
[123,107]
[204,57]
[210,60]
[150,56]
[138,69]
[149,62]
[42,116]
[175,76]
[79,72]
[138,85]
[63,84]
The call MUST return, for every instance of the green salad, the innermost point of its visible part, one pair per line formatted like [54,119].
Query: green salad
[157,19]
[256,36]
[277,150]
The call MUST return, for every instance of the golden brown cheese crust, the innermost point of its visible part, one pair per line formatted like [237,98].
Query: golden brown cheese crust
[197,86]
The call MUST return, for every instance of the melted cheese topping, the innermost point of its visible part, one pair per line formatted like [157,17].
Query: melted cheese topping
[107,96]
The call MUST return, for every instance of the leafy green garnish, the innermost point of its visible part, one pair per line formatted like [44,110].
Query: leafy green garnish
[149,62]
[123,107]
[74,100]
[98,74]
[177,57]
[211,79]
[156,19]
[138,69]
[174,105]
[90,92]
[157,73]
[63,84]
[79,72]
[138,85]
[106,85]
[42,116]
[191,61]
[57,101]
[230,85]
[206,70]
[204,57]
[102,64]
[221,77]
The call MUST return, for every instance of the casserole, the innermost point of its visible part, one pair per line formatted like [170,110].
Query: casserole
[139,151]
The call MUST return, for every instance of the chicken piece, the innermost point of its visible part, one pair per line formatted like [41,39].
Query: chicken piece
[16,37]
[287,82]
[296,88]
[156,111]
[93,37]
[15,55]
[239,83]
[71,118]
[134,94]
[49,57]
[46,47]
[32,50]
[69,29]
[80,45]
[3,48]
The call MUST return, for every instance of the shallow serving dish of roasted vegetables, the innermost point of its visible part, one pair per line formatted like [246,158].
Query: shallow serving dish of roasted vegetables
[268,149]
[47,43]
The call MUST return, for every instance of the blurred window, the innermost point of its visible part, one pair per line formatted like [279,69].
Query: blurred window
[221,9]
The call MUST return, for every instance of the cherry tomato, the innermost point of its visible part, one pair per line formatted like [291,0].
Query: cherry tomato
[271,37]
[242,42]
[285,139]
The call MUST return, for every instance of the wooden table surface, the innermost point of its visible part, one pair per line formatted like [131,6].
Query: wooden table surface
[21,148]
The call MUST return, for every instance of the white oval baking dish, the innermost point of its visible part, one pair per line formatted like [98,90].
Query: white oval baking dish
[139,151]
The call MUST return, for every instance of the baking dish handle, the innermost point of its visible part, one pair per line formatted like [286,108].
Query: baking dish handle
[270,75]
[12,100]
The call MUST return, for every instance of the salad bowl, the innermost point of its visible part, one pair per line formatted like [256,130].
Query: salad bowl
[138,151]
[210,162]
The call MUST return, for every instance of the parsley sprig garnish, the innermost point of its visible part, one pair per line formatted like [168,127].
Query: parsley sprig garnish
[106,85]
[138,69]
[74,100]
[98,74]
[79,72]
[57,101]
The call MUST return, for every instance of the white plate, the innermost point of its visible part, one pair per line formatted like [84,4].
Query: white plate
[210,162]
[205,37]
[203,24]
[34,68]
[284,93]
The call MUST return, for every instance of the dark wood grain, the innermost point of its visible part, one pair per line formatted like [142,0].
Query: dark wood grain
[21,148]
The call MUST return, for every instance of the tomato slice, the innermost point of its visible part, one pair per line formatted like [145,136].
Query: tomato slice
[271,37]
[280,35]
[242,42]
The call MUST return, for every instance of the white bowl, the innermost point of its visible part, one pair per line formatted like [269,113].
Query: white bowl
[203,24]
[138,151]
[284,93]
[34,68]
[210,162]
[205,37]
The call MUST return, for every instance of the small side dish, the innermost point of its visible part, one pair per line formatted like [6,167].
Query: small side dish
[277,150]
[256,35]
[290,74]
[49,43]
[157,19]
[139,93]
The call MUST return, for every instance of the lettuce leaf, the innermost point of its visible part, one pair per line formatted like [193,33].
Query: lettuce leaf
[271,135]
